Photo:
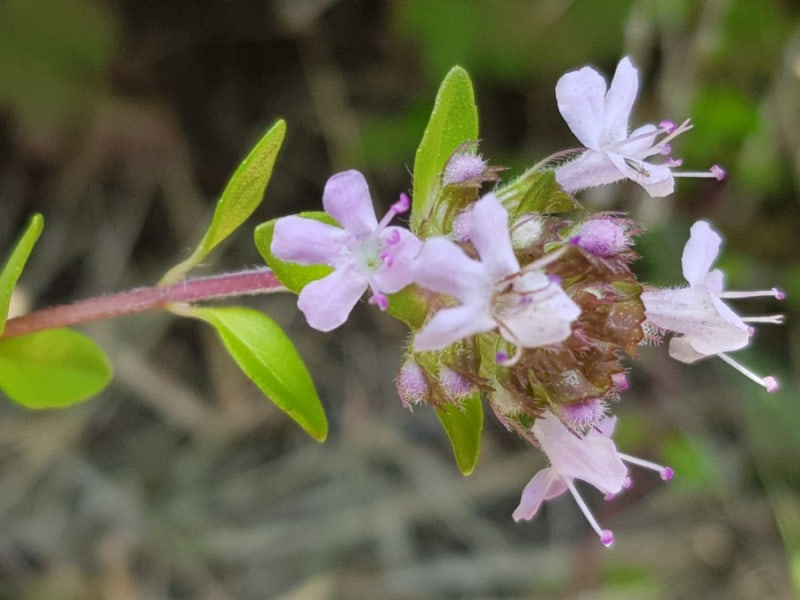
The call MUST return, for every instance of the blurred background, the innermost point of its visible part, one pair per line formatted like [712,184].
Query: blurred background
[121,121]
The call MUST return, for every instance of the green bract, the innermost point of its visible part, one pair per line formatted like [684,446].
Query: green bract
[270,360]
[52,368]
[464,425]
[241,197]
[454,120]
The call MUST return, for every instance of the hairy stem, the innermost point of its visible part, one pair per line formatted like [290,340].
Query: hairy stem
[256,281]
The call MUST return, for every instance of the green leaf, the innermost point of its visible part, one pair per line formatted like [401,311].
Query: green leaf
[294,276]
[52,368]
[454,120]
[463,426]
[535,190]
[15,264]
[270,360]
[241,197]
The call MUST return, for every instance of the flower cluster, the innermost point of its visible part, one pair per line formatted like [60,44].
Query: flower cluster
[514,302]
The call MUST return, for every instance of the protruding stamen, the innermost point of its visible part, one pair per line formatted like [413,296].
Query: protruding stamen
[666,473]
[715,172]
[620,381]
[772,319]
[774,292]
[673,163]
[665,149]
[402,205]
[718,172]
[769,383]
[605,535]
[380,300]
[387,258]
[667,125]
[505,361]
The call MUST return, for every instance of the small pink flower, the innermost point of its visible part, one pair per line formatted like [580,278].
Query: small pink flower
[363,252]
[591,457]
[707,326]
[529,308]
[598,116]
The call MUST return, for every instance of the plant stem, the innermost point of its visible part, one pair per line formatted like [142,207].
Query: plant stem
[256,281]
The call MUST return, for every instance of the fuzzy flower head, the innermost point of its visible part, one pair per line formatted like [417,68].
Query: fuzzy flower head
[598,115]
[707,326]
[529,308]
[591,457]
[363,252]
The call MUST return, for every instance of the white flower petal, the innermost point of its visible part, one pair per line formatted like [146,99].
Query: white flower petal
[619,100]
[327,302]
[545,485]
[545,317]
[492,238]
[591,169]
[451,325]
[307,242]
[700,252]
[443,267]
[581,101]
[346,198]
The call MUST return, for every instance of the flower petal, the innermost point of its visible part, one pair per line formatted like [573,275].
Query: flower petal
[657,180]
[592,458]
[545,485]
[491,237]
[695,313]
[306,241]
[545,315]
[450,325]
[619,100]
[581,101]
[591,169]
[443,267]
[327,302]
[346,198]
[700,252]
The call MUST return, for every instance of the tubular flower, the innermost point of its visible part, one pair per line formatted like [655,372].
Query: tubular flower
[707,326]
[363,252]
[529,308]
[599,116]
[592,458]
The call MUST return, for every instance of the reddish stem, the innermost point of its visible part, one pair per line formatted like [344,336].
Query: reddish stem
[257,281]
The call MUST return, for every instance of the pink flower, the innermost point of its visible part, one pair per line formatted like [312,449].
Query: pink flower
[363,253]
[592,458]
[707,326]
[529,308]
[598,116]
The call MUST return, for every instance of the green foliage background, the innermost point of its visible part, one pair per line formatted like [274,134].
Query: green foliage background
[122,121]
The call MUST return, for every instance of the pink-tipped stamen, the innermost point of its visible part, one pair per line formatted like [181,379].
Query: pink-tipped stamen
[402,205]
[712,173]
[379,300]
[673,163]
[666,473]
[769,382]
[666,149]
[387,258]
[667,125]
[605,535]
[774,292]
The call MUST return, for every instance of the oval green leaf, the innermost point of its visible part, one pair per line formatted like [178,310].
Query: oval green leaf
[52,368]
[15,263]
[454,120]
[464,425]
[270,360]
[241,197]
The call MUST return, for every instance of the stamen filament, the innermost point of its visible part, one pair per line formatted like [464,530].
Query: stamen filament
[772,319]
[774,292]
[769,383]
[605,535]
[666,473]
